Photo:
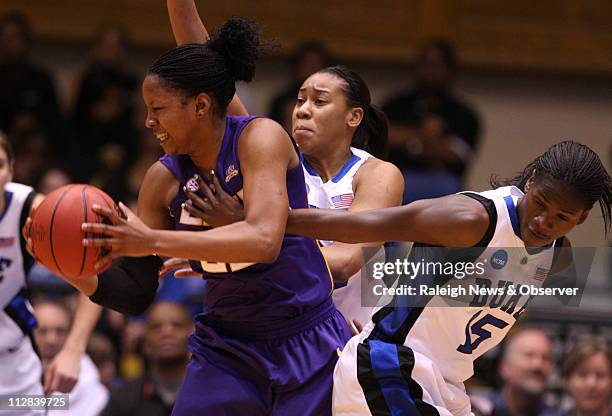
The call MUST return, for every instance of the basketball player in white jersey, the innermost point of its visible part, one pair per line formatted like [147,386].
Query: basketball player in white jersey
[21,368]
[414,359]
[333,120]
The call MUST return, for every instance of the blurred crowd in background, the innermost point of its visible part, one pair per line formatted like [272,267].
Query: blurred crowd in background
[134,365]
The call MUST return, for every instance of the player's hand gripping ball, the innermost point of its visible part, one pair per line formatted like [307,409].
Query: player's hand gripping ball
[56,234]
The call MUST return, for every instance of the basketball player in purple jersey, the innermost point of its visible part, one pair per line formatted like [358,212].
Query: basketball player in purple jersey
[339,133]
[267,341]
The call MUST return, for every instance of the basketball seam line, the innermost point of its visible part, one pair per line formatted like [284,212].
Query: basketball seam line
[51,228]
[85,218]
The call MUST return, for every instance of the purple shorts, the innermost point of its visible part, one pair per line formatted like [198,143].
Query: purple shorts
[282,371]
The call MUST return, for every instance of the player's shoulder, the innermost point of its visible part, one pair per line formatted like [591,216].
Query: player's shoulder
[159,183]
[22,195]
[264,125]
[374,169]
[18,188]
[159,172]
[264,135]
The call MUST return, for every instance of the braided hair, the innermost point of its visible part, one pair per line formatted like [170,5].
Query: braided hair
[577,167]
[212,67]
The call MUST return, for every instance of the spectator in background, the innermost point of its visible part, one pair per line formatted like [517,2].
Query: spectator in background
[33,155]
[103,111]
[588,375]
[433,134]
[168,326]
[525,367]
[88,396]
[103,355]
[28,99]
[53,179]
[309,58]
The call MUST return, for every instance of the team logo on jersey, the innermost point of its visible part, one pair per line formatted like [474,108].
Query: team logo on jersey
[192,184]
[499,259]
[230,173]
[6,241]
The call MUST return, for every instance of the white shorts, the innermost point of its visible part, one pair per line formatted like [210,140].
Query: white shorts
[21,373]
[374,376]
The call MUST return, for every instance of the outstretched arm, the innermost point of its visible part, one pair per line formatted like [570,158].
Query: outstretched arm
[451,221]
[187,27]
[63,372]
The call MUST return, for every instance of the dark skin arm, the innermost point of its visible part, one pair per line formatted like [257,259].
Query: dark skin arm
[187,27]
[451,221]
[377,184]
[265,154]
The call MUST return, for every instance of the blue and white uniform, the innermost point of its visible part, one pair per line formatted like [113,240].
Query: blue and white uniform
[414,360]
[337,193]
[21,367]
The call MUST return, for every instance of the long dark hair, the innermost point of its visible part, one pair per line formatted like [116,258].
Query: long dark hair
[580,170]
[212,67]
[372,134]
[7,147]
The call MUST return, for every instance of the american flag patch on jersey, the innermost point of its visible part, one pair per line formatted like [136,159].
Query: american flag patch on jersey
[343,200]
[540,274]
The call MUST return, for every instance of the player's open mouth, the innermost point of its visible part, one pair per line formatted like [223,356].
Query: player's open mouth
[162,137]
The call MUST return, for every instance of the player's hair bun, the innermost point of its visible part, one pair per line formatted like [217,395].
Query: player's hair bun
[237,41]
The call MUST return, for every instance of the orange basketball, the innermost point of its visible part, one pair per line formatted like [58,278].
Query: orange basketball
[57,237]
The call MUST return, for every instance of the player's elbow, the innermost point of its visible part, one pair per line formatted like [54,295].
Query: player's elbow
[346,266]
[268,246]
[268,251]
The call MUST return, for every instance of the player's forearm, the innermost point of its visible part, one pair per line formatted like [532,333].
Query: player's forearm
[128,285]
[357,227]
[186,23]
[85,319]
[85,285]
[234,243]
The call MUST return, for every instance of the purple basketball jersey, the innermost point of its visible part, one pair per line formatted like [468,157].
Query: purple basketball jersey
[296,282]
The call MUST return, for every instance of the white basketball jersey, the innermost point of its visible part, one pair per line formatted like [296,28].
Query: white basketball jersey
[337,193]
[21,367]
[12,269]
[445,336]
[470,331]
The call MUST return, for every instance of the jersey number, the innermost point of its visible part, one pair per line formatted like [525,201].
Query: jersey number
[478,329]
[210,267]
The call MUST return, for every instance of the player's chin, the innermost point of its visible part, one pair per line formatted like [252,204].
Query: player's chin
[168,148]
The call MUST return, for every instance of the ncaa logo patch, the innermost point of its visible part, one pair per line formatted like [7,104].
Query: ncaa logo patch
[499,259]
